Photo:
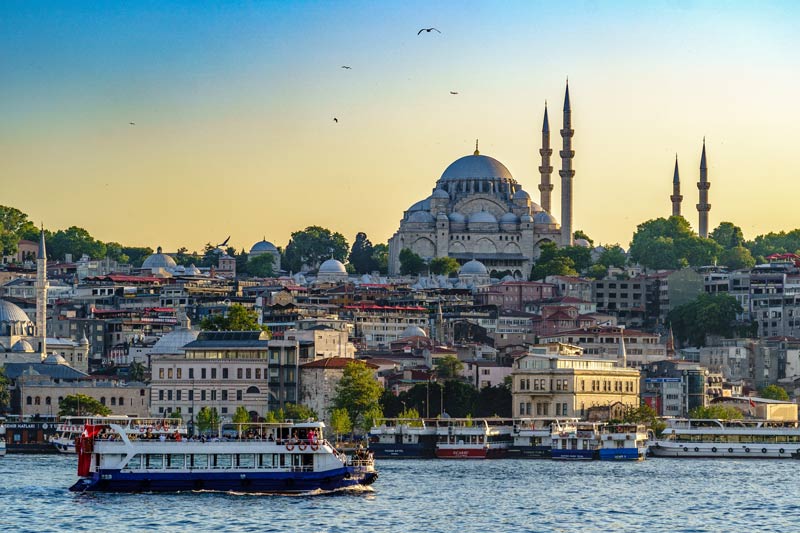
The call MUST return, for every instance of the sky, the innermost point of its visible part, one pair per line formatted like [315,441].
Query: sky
[233,105]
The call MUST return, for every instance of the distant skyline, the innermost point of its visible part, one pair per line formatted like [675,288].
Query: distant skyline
[233,112]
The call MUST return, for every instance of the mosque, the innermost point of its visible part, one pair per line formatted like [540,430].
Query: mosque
[478,212]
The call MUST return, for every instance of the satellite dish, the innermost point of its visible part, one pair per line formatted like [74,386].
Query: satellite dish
[226,302]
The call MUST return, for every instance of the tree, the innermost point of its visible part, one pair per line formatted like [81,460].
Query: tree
[76,241]
[670,243]
[580,234]
[358,391]
[208,419]
[728,235]
[361,255]
[581,257]
[299,412]
[241,417]
[274,416]
[597,271]
[708,314]
[612,255]
[340,422]
[449,367]
[552,262]
[494,401]
[312,246]
[238,318]
[136,371]
[410,263]
[137,255]
[369,418]
[5,395]
[14,225]
[261,266]
[380,254]
[737,258]
[720,412]
[774,392]
[81,405]
[644,414]
[115,253]
[444,266]
[775,243]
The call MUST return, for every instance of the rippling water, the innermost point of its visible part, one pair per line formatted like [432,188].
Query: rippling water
[436,496]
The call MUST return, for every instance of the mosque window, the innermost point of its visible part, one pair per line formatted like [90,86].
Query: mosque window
[103,400]
[122,400]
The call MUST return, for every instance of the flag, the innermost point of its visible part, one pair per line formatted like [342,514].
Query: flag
[752,403]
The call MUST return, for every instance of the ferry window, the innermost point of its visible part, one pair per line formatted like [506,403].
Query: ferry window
[246,460]
[154,461]
[265,460]
[199,460]
[175,460]
[222,460]
[135,463]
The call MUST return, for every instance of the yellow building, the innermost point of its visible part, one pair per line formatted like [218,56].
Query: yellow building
[556,380]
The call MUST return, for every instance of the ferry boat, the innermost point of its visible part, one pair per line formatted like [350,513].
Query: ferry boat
[473,438]
[285,457]
[71,427]
[2,440]
[403,438]
[741,439]
[578,441]
[623,442]
[533,437]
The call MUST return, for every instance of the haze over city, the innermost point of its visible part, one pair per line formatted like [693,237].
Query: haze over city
[172,124]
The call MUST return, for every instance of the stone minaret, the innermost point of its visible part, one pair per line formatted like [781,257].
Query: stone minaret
[676,191]
[545,187]
[41,296]
[703,185]
[566,173]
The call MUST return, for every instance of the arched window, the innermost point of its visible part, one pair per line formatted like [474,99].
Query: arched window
[252,390]
[29,400]
[103,400]
[121,400]
[47,400]
[113,401]
[37,401]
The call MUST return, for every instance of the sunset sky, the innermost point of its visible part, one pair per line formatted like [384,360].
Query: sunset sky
[233,107]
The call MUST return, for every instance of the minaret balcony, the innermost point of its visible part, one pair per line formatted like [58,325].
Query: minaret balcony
[567,153]
[703,207]
[566,173]
[546,170]
[676,197]
[545,187]
[567,132]
[545,152]
[703,185]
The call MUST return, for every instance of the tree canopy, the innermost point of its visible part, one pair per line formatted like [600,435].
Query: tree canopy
[14,225]
[81,405]
[774,392]
[444,266]
[717,411]
[580,234]
[340,422]
[237,318]
[313,245]
[241,417]
[76,241]
[358,392]
[380,254]
[613,255]
[708,314]
[208,419]
[411,264]
[261,266]
[670,243]
[449,367]
[291,411]
[5,395]
[553,262]
[362,255]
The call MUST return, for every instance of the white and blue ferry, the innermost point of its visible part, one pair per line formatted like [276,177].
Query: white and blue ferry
[623,442]
[403,438]
[575,441]
[283,457]
[533,437]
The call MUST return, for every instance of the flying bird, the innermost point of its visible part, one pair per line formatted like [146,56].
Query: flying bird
[336,120]
[346,67]
[453,92]
[132,123]
[428,30]
[224,243]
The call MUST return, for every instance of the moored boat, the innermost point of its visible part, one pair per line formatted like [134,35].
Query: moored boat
[2,440]
[623,442]
[533,437]
[473,438]
[575,441]
[403,438]
[284,457]
[742,439]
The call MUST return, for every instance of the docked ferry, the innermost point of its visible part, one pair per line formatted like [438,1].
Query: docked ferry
[473,438]
[575,441]
[533,437]
[741,439]
[403,438]
[283,457]
[2,440]
[623,442]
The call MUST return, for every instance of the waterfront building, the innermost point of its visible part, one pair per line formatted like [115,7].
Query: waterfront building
[605,342]
[675,387]
[318,381]
[558,380]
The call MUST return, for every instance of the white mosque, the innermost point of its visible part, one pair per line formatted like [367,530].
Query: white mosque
[479,212]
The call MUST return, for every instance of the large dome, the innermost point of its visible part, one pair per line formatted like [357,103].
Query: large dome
[12,313]
[263,246]
[332,266]
[473,267]
[476,167]
[159,260]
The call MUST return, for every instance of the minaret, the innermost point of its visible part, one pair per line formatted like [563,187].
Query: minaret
[676,191]
[566,173]
[41,296]
[545,187]
[703,185]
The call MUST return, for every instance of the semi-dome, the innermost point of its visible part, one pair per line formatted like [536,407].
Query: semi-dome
[509,218]
[55,359]
[421,216]
[526,218]
[543,217]
[482,217]
[332,266]
[476,167]
[12,313]
[22,346]
[521,195]
[263,246]
[439,193]
[422,205]
[159,260]
[457,217]
[413,331]
[583,243]
[473,267]
[193,270]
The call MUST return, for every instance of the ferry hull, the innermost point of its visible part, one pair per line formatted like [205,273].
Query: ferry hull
[574,455]
[622,454]
[722,450]
[529,452]
[471,453]
[236,481]
[402,451]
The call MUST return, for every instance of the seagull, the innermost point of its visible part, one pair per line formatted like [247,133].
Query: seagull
[224,243]
[132,123]
[428,30]
[346,67]
[453,92]
[336,120]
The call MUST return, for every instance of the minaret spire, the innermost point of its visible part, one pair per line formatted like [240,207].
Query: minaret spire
[545,170]
[566,172]
[476,148]
[676,191]
[703,185]
[41,295]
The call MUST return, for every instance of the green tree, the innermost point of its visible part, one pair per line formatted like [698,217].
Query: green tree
[581,257]
[312,246]
[774,392]
[380,254]
[295,411]
[612,255]
[81,405]
[644,414]
[409,413]
[449,367]
[728,235]
[737,258]
[369,417]
[559,266]
[580,234]
[5,395]
[708,314]
[410,263]
[361,255]
[775,243]
[14,226]
[493,401]
[237,318]
[136,254]
[208,420]
[261,266]
[241,417]
[276,415]
[136,371]
[444,266]
[340,422]
[76,241]
[597,271]
[720,412]
[114,251]
[358,391]
[670,243]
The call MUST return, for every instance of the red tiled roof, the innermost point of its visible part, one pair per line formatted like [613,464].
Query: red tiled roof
[336,363]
